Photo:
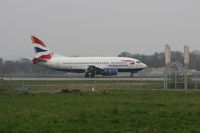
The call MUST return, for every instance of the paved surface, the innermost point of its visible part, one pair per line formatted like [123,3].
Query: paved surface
[109,79]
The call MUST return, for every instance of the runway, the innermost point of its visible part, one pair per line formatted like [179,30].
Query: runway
[82,79]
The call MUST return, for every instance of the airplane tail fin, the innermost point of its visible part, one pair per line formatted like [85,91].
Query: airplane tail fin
[42,53]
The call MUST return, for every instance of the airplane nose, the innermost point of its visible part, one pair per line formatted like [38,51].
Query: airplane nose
[143,65]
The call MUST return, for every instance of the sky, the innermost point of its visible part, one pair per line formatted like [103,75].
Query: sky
[98,27]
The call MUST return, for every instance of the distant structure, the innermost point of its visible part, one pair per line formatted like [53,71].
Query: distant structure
[167,65]
[186,65]
[167,55]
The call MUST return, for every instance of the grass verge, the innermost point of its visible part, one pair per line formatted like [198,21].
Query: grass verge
[116,112]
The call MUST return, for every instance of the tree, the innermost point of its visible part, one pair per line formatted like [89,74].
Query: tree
[157,59]
[125,54]
[195,60]
[1,65]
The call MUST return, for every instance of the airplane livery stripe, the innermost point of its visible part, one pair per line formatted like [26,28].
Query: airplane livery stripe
[37,55]
[37,50]
[46,57]
[38,41]
[40,46]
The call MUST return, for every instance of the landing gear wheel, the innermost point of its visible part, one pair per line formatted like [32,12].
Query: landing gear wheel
[87,75]
[131,75]
[90,75]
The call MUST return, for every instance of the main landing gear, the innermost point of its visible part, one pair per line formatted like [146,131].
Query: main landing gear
[90,75]
[131,75]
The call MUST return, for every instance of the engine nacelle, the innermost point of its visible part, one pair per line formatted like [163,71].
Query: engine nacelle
[110,71]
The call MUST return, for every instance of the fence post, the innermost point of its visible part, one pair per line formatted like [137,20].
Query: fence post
[196,80]
[175,80]
[47,82]
[23,79]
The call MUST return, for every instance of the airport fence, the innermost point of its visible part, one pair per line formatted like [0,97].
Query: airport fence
[68,84]
[176,81]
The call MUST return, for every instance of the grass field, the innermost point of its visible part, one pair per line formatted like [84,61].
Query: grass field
[116,112]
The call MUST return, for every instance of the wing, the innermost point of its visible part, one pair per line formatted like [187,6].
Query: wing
[91,71]
[94,69]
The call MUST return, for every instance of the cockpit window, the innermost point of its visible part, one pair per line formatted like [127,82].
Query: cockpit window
[138,61]
[132,62]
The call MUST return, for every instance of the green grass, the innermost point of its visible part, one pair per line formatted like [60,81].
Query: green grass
[116,112]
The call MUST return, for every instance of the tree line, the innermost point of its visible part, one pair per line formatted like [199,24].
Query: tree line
[25,67]
[156,60]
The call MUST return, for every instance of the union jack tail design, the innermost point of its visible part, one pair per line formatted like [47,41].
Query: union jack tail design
[43,54]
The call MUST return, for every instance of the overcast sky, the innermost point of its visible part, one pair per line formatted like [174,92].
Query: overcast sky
[98,27]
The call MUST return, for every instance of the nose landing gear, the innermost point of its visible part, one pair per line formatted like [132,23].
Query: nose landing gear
[131,75]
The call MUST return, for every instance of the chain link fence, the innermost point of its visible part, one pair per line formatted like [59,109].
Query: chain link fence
[68,84]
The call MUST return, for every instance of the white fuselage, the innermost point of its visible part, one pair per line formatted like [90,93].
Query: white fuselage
[80,64]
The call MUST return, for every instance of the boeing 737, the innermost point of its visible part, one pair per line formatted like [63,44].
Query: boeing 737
[90,66]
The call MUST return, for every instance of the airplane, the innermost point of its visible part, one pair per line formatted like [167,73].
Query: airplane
[90,66]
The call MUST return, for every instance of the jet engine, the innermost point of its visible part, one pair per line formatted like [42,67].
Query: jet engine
[109,71]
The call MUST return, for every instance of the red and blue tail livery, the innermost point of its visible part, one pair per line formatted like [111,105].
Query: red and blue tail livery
[42,52]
